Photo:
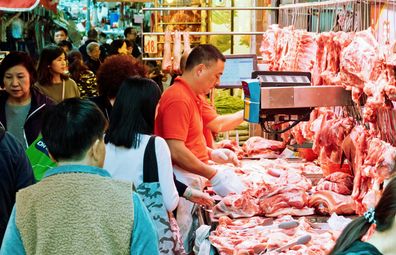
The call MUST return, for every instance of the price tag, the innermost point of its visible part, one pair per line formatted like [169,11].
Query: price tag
[150,44]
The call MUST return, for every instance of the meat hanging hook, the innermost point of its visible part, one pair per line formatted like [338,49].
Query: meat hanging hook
[293,14]
[334,16]
[394,20]
[387,26]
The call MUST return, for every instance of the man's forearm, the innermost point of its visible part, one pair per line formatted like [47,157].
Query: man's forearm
[185,159]
[226,122]
[192,164]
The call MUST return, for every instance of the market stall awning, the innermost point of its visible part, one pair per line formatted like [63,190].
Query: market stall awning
[18,5]
[126,1]
[50,4]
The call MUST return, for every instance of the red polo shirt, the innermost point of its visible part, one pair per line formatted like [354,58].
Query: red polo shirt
[208,114]
[180,116]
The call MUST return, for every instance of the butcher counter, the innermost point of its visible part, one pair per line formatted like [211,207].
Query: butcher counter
[278,191]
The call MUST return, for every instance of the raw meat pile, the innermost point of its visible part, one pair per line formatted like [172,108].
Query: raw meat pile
[288,49]
[254,147]
[254,235]
[353,60]
[374,161]
[332,195]
[330,135]
[341,183]
[274,188]
[328,57]
[327,202]
[231,145]
[258,146]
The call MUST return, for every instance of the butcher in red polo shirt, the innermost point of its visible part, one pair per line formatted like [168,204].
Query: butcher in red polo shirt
[180,123]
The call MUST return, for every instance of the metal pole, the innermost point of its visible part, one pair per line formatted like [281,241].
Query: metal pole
[210,33]
[210,8]
[232,26]
[88,17]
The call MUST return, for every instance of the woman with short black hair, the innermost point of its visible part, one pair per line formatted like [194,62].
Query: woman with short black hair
[21,105]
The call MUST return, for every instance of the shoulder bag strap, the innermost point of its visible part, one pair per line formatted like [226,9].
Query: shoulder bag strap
[150,166]
[2,133]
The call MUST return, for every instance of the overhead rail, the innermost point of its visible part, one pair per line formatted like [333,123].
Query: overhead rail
[210,8]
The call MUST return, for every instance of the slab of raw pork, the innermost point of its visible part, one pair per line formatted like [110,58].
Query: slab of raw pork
[231,145]
[339,182]
[177,52]
[327,202]
[252,236]
[268,47]
[291,201]
[298,50]
[237,206]
[359,60]
[167,56]
[256,146]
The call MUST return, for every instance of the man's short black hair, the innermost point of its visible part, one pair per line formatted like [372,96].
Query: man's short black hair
[92,34]
[70,128]
[127,31]
[65,43]
[61,29]
[203,54]
[102,34]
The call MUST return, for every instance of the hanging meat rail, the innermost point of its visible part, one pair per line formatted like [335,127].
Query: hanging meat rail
[204,9]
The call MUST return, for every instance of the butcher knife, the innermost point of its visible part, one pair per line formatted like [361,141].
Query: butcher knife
[301,240]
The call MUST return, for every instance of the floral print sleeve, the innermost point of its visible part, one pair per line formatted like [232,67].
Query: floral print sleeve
[87,84]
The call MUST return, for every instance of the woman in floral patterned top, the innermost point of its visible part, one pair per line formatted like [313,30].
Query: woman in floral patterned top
[85,78]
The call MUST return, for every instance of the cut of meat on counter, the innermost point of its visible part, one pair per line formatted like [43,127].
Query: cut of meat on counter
[254,235]
[231,145]
[273,189]
[286,202]
[327,202]
[237,206]
[341,183]
[256,146]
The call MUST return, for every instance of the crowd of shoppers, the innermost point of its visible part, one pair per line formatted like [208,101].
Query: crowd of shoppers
[73,134]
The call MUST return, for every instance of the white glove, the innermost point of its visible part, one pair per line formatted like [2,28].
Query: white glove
[222,156]
[225,182]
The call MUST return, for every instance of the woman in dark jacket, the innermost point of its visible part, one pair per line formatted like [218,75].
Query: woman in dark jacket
[21,105]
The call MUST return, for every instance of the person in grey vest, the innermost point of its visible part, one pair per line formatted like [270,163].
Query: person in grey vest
[77,208]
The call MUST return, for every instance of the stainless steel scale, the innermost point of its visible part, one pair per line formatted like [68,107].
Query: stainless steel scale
[273,98]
